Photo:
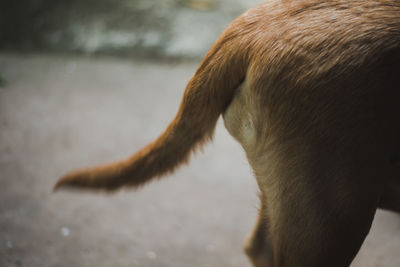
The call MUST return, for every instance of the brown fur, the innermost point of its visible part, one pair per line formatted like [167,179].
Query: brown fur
[311,91]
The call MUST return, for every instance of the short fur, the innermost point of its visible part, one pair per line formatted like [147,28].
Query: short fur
[311,91]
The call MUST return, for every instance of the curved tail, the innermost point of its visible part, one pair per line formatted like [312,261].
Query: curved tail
[207,95]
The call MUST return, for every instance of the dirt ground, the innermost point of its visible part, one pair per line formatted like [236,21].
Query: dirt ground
[58,113]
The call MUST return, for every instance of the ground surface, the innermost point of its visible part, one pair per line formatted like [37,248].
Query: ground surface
[59,113]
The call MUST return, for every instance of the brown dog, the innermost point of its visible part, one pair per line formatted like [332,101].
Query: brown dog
[311,89]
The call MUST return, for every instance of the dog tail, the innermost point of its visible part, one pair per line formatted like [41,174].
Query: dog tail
[206,96]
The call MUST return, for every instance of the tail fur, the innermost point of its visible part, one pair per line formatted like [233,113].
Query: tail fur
[207,95]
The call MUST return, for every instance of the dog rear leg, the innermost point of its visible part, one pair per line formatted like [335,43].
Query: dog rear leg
[319,210]
[390,199]
[257,246]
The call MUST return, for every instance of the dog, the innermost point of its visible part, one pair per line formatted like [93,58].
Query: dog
[311,90]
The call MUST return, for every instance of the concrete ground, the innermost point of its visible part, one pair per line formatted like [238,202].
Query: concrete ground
[58,113]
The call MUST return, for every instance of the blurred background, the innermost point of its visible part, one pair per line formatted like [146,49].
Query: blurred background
[139,28]
[88,82]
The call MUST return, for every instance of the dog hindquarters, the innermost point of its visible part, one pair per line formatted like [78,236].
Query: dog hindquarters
[320,186]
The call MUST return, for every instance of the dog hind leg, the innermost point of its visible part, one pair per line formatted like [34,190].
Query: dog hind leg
[390,199]
[318,214]
[257,246]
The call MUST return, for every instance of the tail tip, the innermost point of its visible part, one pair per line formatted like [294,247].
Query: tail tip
[71,181]
[62,184]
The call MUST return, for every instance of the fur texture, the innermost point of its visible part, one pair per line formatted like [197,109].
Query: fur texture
[311,90]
